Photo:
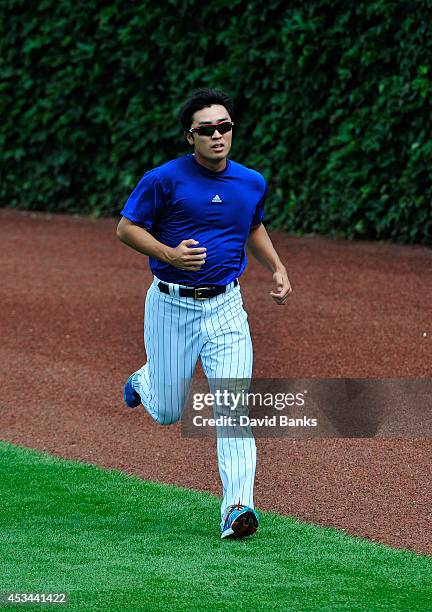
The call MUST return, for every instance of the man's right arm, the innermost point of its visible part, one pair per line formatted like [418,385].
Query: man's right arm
[183,256]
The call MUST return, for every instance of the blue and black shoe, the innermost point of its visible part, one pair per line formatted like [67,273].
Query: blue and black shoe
[239,522]
[130,396]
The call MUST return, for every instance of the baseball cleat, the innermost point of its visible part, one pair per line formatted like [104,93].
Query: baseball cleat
[239,521]
[130,396]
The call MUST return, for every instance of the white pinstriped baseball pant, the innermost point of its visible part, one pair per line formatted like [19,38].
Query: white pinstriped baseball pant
[178,330]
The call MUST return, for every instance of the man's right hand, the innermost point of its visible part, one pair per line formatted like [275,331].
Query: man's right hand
[185,257]
[182,256]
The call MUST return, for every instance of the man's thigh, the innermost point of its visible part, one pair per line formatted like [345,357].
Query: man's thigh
[172,342]
[227,348]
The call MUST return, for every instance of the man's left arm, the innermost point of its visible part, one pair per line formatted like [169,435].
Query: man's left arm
[262,249]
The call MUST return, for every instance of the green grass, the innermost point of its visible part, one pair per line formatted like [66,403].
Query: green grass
[115,542]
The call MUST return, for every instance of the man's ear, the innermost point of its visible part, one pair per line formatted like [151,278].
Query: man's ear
[189,138]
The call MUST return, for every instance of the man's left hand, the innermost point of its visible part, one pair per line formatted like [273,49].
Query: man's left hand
[283,287]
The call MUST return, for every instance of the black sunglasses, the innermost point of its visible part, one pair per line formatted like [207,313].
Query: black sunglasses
[209,130]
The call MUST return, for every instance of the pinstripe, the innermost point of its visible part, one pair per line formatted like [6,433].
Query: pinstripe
[170,358]
[184,343]
[241,461]
[160,369]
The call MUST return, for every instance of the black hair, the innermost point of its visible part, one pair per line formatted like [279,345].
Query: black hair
[201,98]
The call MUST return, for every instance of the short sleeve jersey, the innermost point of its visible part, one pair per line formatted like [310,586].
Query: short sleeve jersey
[183,200]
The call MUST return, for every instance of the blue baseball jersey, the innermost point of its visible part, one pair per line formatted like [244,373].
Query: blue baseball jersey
[183,200]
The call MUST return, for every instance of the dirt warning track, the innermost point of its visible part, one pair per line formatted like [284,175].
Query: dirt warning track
[71,332]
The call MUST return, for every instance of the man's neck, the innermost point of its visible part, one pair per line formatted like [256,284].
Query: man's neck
[217,166]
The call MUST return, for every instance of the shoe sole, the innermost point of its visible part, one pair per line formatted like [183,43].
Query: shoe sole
[243,526]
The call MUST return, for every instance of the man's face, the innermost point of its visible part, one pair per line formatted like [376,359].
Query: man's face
[212,149]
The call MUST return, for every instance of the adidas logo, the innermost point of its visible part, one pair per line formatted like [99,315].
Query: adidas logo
[216,199]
